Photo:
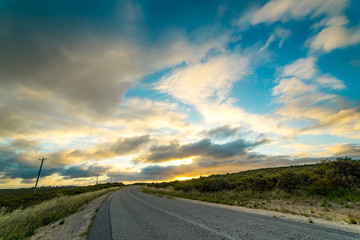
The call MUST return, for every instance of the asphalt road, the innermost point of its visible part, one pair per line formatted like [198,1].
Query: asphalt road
[131,214]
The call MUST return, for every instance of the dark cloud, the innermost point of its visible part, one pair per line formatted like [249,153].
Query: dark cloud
[21,165]
[156,171]
[83,58]
[83,171]
[64,157]
[10,157]
[10,122]
[28,173]
[28,181]
[128,145]
[349,150]
[29,114]
[18,161]
[67,65]
[75,54]
[153,172]
[22,143]
[222,132]
[204,149]
[122,146]
[25,165]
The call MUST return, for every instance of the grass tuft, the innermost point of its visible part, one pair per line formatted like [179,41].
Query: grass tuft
[352,221]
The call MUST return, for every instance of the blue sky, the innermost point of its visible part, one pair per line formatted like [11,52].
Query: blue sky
[164,90]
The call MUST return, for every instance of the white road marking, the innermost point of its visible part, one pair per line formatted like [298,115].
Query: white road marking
[186,219]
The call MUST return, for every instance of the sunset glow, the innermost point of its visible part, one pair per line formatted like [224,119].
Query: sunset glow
[184,178]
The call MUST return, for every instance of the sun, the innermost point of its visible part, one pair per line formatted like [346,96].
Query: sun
[184,178]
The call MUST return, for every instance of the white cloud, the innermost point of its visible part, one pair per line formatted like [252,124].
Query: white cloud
[335,35]
[279,33]
[141,116]
[228,113]
[206,86]
[331,82]
[345,149]
[304,68]
[292,87]
[305,97]
[205,81]
[285,10]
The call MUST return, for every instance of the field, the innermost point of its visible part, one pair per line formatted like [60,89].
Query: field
[328,190]
[23,212]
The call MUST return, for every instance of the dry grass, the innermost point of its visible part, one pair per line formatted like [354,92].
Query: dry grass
[315,209]
[22,223]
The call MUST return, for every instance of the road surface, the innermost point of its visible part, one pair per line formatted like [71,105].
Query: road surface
[131,214]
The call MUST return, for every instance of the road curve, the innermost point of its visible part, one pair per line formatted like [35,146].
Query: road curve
[131,214]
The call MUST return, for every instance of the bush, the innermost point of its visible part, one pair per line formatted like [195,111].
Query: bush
[289,181]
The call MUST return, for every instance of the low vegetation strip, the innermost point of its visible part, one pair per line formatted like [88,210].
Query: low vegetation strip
[12,199]
[329,190]
[22,223]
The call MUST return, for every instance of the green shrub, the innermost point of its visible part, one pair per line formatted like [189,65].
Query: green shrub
[352,221]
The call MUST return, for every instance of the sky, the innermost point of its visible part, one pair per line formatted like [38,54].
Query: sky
[143,91]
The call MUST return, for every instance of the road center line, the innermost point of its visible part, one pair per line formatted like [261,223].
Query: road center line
[185,219]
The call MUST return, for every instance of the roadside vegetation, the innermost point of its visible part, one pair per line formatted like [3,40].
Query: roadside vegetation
[48,207]
[328,190]
[12,199]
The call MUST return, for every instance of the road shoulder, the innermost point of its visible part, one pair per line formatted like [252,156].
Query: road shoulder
[73,227]
[319,222]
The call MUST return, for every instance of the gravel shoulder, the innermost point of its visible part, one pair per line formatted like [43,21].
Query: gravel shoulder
[74,227]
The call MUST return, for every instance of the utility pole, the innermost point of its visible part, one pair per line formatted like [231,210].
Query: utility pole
[97,175]
[37,180]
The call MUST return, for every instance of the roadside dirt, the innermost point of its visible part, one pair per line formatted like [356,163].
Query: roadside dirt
[314,209]
[74,227]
